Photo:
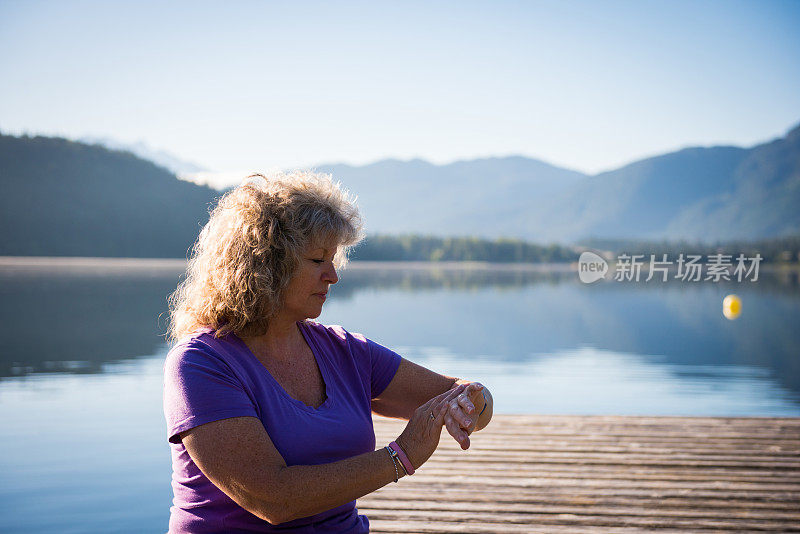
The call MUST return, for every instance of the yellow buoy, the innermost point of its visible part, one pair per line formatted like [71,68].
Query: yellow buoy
[731,307]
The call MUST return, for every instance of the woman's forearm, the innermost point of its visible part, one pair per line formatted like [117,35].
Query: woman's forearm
[310,489]
[237,456]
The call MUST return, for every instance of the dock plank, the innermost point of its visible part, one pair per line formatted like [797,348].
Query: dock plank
[594,474]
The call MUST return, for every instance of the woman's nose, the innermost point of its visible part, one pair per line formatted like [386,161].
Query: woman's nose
[330,275]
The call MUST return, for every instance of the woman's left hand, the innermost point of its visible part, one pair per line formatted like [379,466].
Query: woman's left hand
[462,413]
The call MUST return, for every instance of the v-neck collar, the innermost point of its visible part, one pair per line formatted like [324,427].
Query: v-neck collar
[321,364]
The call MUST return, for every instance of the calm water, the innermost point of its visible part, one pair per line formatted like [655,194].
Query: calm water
[83,445]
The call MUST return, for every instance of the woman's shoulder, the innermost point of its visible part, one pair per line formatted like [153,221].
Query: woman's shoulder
[200,345]
[335,333]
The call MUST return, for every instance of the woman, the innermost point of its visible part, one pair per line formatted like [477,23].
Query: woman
[269,413]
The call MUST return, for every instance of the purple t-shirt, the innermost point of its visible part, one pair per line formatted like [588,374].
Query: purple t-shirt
[207,379]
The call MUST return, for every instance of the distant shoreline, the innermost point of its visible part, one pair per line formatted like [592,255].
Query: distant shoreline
[99,265]
[177,264]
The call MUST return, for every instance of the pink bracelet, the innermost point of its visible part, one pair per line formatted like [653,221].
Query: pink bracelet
[403,458]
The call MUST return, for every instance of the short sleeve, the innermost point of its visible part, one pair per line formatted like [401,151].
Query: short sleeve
[384,364]
[199,387]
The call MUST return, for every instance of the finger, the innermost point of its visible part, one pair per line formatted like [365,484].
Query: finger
[453,429]
[452,392]
[441,406]
[474,390]
[449,395]
[432,403]
[475,386]
[456,431]
[457,411]
[442,402]
[440,412]
[466,403]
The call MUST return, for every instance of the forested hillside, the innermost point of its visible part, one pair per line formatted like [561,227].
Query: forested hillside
[62,198]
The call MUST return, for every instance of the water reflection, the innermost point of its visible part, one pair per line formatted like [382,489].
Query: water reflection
[86,339]
[601,382]
[531,313]
[76,319]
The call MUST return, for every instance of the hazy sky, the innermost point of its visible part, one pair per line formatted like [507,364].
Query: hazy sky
[255,85]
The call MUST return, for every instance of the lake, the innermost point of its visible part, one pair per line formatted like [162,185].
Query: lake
[84,447]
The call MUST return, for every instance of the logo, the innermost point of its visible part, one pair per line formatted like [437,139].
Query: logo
[591,267]
[687,268]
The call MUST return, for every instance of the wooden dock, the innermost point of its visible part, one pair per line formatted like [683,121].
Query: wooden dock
[600,474]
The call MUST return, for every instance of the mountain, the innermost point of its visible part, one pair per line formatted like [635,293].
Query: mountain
[702,194]
[62,198]
[141,149]
[763,199]
[66,198]
[640,199]
[462,198]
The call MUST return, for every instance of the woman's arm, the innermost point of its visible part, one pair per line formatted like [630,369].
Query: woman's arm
[238,456]
[411,387]
[413,384]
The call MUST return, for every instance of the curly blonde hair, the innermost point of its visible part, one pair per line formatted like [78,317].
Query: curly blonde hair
[251,247]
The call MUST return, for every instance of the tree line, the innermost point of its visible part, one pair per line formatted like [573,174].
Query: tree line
[432,248]
[783,250]
[778,250]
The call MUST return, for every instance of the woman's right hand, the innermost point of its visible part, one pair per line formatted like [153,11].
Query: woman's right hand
[421,435]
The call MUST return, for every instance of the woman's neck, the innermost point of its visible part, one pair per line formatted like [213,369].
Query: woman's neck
[281,339]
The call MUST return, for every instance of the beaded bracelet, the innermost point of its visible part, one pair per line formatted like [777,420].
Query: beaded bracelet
[393,456]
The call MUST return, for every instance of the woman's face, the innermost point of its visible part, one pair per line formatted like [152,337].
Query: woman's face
[307,290]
